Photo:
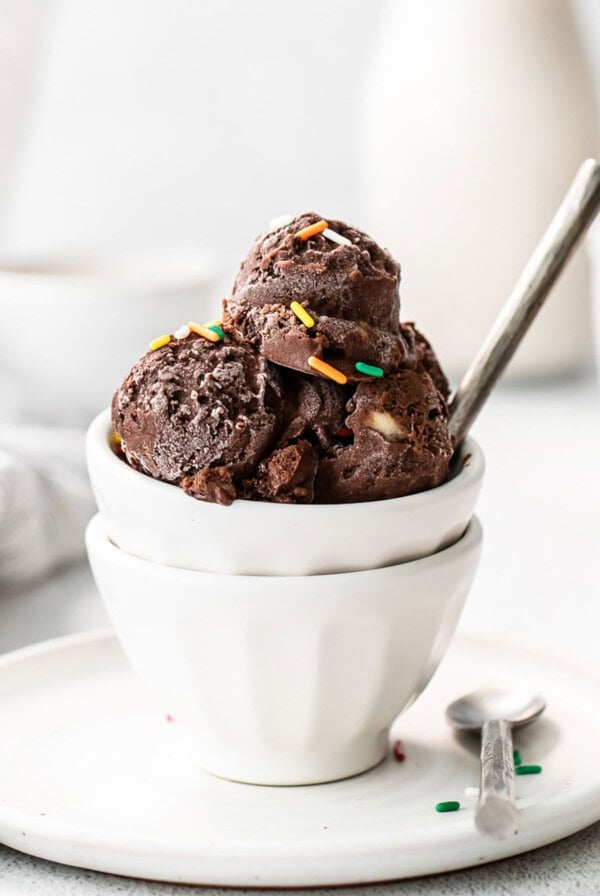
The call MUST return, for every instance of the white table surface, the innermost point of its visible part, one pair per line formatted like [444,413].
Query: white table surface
[539,581]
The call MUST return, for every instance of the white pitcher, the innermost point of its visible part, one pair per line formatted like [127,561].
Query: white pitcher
[477,115]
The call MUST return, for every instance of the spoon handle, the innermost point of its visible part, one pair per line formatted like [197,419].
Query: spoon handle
[496,813]
[576,212]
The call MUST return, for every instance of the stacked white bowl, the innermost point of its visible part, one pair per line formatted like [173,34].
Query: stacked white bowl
[282,639]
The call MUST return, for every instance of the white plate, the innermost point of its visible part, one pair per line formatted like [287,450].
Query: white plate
[91,775]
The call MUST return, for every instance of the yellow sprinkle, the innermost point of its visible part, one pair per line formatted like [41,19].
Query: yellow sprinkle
[204,331]
[158,343]
[312,230]
[327,370]
[302,314]
[116,439]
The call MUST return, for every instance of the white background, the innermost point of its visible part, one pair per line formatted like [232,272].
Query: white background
[153,122]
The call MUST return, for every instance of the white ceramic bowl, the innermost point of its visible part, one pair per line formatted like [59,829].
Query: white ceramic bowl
[279,680]
[70,326]
[157,521]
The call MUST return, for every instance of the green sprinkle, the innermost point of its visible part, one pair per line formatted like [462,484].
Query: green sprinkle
[528,769]
[216,329]
[517,758]
[369,369]
[448,806]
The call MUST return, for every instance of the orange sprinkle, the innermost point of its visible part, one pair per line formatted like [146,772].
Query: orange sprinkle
[327,370]
[312,230]
[199,330]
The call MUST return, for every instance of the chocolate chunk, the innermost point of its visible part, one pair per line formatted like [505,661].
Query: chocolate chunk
[211,484]
[287,476]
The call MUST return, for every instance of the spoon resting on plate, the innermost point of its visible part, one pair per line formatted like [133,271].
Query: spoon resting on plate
[495,713]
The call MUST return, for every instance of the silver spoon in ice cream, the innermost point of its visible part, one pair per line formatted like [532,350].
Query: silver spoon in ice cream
[495,713]
[573,217]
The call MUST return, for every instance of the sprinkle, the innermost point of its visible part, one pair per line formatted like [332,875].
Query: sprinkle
[311,230]
[116,442]
[158,343]
[217,329]
[327,370]
[528,770]
[448,806]
[369,369]
[517,757]
[278,223]
[199,330]
[302,314]
[399,754]
[336,237]
[169,717]
[182,332]
[471,791]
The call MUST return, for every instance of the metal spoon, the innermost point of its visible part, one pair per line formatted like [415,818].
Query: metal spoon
[575,214]
[495,713]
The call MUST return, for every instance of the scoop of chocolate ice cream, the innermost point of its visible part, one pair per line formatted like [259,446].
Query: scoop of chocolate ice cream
[400,442]
[350,290]
[199,414]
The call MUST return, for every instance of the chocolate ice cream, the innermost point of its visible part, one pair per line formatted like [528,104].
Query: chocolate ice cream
[199,414]
[400,442]
[376,440]
[237,410]
[426,359]
[315,409]
[313,418]
[349,289]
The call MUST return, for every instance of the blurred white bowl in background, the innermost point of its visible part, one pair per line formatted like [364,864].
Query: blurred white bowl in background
[71,327]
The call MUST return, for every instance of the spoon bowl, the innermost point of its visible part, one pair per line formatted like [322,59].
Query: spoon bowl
[469,712]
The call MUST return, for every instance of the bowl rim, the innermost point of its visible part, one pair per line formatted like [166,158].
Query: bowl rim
[471,471]
[99,543]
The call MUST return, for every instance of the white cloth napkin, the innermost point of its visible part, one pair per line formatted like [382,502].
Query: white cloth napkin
[45,500]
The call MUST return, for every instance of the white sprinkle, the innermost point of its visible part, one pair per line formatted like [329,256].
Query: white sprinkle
[281,221]
[471,791]
[182,332]
[336,237]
